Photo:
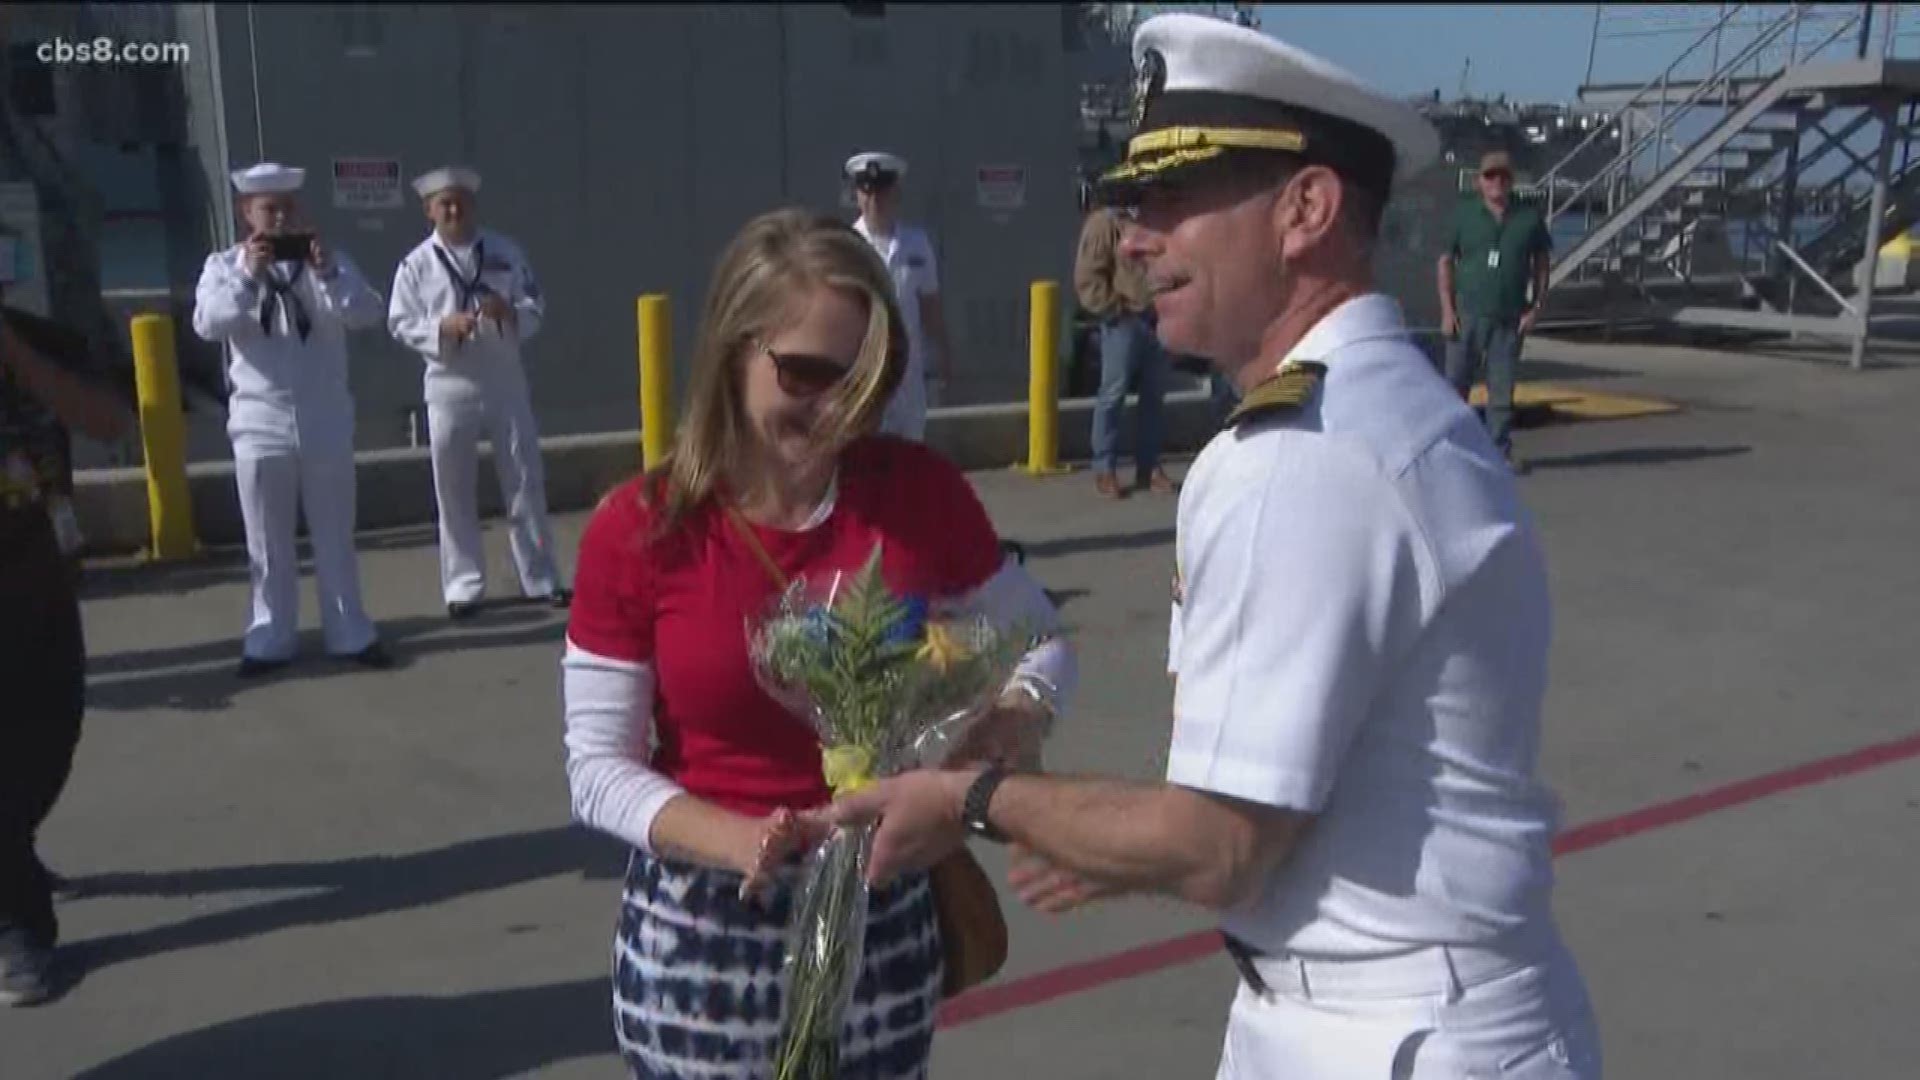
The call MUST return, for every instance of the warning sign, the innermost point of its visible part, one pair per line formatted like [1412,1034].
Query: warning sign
[367,184]
[1001,187]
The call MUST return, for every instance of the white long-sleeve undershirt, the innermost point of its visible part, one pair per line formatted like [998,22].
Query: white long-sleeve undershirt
[609,710]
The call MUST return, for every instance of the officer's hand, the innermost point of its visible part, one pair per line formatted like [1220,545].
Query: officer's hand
[259,256]
[1527,319]
[1449,325]
[1047,888]
[919,815]
[458,326]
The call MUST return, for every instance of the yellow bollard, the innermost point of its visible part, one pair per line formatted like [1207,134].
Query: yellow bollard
[656,379]
[163,438]
[1043,385]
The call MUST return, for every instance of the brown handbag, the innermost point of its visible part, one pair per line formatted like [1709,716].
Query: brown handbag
[973,932]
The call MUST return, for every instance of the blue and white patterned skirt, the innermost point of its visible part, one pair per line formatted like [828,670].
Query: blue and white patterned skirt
[697,982]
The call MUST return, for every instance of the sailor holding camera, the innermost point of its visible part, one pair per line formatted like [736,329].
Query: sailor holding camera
[282,302]
[465,299]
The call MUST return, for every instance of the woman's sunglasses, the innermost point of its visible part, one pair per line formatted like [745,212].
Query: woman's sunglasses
[805,376]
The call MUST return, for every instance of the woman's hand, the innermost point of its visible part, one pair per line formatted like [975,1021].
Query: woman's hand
[771,841]
[1047,888]
[1010,734]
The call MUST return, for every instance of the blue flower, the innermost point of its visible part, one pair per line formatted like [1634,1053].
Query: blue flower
[913,622]
[818,625]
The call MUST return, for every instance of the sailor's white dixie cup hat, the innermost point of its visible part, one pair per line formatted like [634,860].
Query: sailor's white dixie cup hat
[1207,91]
[428,184]
[268,178]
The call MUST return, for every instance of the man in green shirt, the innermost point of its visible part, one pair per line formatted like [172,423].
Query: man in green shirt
[1493,276]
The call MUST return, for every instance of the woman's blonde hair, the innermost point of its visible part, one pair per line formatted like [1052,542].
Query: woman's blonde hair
[762,278]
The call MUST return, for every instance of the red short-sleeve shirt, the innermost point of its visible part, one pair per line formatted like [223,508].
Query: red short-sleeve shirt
[681,602]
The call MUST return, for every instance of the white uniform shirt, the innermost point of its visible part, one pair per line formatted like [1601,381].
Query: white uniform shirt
[286,392]
[908,254]
[424,293]
[1360,632]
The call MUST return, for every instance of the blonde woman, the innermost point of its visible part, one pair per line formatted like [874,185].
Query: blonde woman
[672,746]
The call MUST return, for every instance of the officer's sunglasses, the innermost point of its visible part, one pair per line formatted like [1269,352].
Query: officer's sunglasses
[802,375]
[1497,174]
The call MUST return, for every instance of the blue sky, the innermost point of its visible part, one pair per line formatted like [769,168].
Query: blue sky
[1529,51]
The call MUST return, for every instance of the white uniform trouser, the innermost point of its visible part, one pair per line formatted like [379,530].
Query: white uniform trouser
[1435,1014]
[454,426]
[906,414]
[275,485]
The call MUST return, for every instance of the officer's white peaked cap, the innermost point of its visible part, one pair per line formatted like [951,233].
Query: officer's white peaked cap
[875,164]
[1206,89]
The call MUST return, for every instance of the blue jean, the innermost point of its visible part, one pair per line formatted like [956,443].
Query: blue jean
[1129,351]
[1492,346]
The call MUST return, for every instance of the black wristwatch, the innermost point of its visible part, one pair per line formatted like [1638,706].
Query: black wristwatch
[973,809]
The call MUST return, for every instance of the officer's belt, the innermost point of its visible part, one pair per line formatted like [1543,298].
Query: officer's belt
[1422,970]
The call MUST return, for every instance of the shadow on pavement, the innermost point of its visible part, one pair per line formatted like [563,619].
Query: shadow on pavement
[339,891]
[1060,598]
[107,578]
[1080,545]
[201,677]
[1649,455]
[481,1036]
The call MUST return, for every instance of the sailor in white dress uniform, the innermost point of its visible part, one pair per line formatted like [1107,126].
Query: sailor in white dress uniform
[908,253]
[466,300]
[284,315]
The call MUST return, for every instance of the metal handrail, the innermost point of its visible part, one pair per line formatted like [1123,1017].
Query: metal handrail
[1628,155]
[1658,80]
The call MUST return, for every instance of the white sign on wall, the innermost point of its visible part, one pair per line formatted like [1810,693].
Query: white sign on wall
[1001,187]
[367,184]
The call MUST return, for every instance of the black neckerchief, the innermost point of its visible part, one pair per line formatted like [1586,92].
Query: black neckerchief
[467,291]
[281,294]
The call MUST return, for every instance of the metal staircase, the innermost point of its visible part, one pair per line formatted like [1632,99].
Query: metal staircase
[1762,148]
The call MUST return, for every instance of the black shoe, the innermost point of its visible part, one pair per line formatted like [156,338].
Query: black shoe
[1515,462]
[373,656]
[252,667]
[1015,549]
[561,599]
[459,610]
[26,971]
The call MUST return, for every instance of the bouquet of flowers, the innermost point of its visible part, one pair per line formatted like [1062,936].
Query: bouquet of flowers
[886,683]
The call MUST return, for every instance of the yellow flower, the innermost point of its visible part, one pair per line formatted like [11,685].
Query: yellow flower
[942,648]
[847,768]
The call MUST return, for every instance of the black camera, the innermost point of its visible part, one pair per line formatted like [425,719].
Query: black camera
[291,247]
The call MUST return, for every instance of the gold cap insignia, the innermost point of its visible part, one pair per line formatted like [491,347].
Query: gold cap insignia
[1149,78]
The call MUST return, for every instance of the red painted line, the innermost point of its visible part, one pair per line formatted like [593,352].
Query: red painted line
[1745,791]
[1072,979]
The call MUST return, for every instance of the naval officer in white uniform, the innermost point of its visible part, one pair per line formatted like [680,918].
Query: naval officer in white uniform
[283,302]
[908,253]
[1361,623]
[466,299]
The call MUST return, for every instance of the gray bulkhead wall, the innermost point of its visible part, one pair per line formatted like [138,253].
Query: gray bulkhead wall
[623,145]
